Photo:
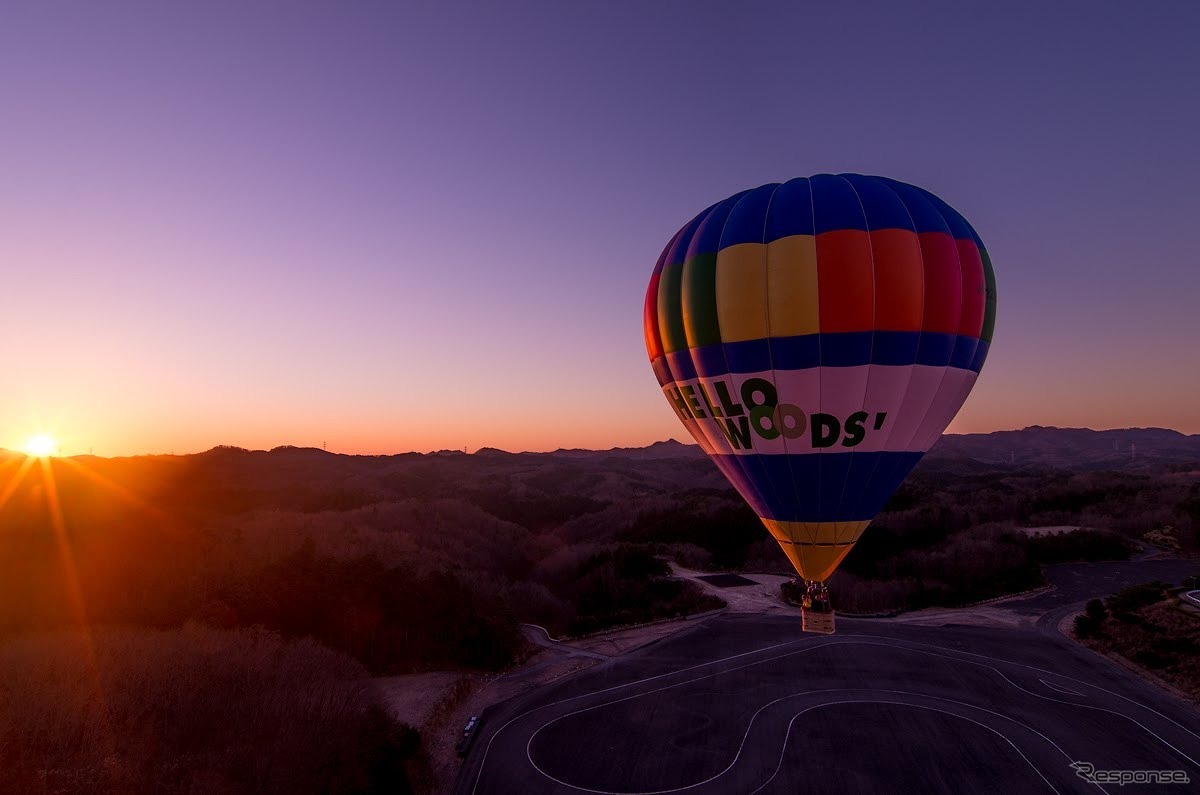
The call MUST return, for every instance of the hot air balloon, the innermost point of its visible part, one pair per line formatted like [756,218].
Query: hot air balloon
[816,337]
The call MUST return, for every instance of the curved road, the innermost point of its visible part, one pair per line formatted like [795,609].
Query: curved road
[746,704]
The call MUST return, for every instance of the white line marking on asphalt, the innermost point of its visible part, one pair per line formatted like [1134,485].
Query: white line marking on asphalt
[488,747]
[750,725]
[1068,691]
[783,750]
[867,640]
[1057,700]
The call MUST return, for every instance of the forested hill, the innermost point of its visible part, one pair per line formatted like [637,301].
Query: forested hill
[294,572]
[341,547]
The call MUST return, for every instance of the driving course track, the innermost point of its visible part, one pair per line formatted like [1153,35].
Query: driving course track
[746,704]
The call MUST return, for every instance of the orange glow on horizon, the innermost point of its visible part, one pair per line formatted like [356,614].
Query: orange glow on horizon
[642,419]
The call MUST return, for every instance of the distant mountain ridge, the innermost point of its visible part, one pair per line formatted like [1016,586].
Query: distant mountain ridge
[669,448]
[1035,446]
[1073,448]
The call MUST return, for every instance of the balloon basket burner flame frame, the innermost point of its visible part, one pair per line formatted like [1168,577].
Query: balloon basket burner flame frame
[816,621]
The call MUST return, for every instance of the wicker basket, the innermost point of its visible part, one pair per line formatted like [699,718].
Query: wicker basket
[817,621]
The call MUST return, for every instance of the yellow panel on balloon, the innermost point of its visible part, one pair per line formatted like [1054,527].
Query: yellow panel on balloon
[742,292]
[816,563]
[815,532]
[792,278]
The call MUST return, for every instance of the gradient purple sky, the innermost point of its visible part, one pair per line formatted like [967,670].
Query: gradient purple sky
[397,226]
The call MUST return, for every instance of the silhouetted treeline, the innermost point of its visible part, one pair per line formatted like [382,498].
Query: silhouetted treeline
[406,563]
[1078,545]
[392,619]
[412,562]
[716,520]
[952,533]
[627,585]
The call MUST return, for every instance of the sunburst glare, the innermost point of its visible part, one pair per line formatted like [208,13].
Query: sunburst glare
[41,445]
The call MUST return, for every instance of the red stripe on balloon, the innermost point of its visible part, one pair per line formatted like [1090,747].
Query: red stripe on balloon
[974,289]
[943,283]
[650,319]
[844,276]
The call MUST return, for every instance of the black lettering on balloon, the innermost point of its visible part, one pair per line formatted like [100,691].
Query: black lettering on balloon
[713,410]
[854,429]
[825,430]
[728,405]
[738,433]
[689,392]
[680,405]
[753,387]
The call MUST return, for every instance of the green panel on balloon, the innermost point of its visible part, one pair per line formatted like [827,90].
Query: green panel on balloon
[699,300]
[670,309]
[989,313]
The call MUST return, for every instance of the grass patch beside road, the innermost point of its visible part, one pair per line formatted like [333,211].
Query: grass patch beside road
[1146,625]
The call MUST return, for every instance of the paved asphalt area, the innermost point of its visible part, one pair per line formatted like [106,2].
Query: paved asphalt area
[748,704]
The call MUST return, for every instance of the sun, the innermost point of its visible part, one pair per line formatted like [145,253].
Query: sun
[41,445]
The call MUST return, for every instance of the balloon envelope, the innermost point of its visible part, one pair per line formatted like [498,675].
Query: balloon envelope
[816,337]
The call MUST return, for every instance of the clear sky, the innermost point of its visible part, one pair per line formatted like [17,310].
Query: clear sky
[409,226]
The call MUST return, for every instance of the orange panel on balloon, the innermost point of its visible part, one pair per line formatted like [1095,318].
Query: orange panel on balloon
[845,276]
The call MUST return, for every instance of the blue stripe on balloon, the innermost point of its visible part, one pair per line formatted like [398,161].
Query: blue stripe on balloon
[750,356]
[710,361]
[660,370]
[964,352]
[744,476]
[981,353]
[788,480]
[885,478]
[796,353]
[896,348]
[849,349]
[842,350]
[936,349]
[858,479]
[834,471]
[813,487]
[680,364]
